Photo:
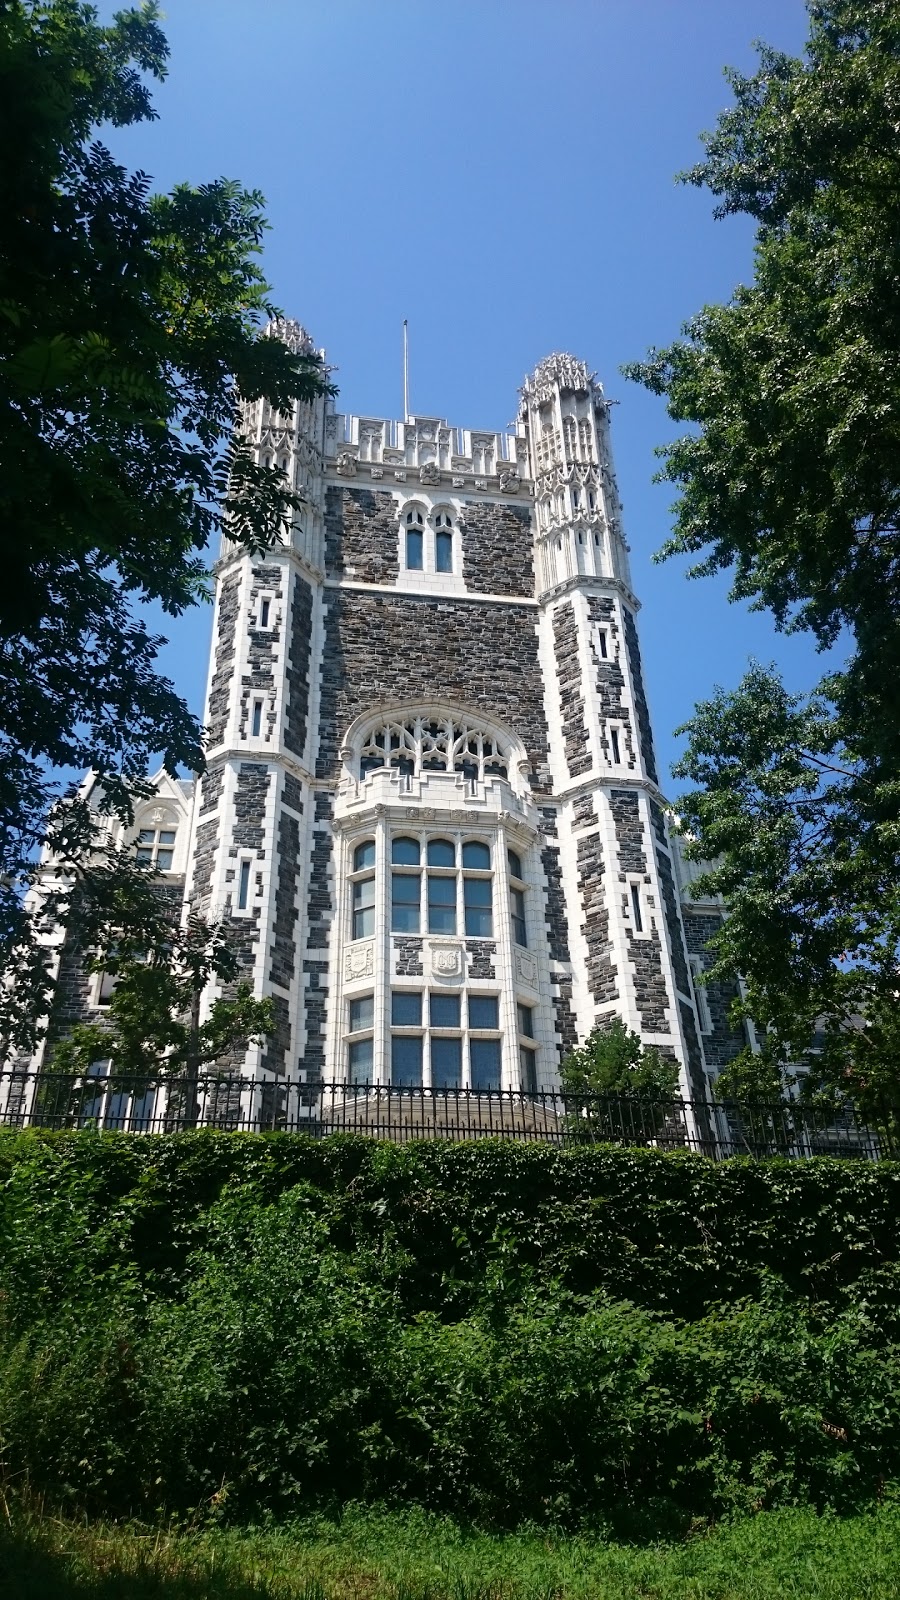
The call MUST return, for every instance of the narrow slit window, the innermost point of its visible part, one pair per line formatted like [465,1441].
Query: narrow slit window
[604,647]
[614,745]
[243,885]
[415,545]
[256,723]
[264,614]
[636,908]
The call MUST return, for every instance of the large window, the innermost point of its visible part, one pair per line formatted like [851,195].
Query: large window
[452,899]
[436,1036]
[156,848]
[362,891]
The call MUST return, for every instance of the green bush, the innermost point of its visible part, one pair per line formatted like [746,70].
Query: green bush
[233,1324]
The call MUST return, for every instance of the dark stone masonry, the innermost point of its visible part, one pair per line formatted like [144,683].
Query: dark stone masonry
[498,549]
[380,651]
[408,953]
[557,933]
[624,806]
[568,672]
[296,711]
[362,535]
[609,679]
[725,1042]
[640,698]
[480,955]
[319,899]
[220,688]
[601,973]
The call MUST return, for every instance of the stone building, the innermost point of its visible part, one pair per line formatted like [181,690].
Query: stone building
[432,813]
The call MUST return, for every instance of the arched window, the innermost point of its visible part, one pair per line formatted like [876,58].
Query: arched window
[443,542]
[415,541]
[435,744]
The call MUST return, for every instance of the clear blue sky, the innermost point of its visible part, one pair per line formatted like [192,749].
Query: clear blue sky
[503,176]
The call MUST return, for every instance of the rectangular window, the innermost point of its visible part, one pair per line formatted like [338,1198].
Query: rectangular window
[256,723]
[446,1062]
[106,987]
[362,1013]
[361,1060]
[636,908]
[444,1010]
[243,885]
[484,1059]
[363,908]
[483,1011]
[145,842]
[406,1061]
[517,903]
[414,550]
[614,745]
[406,1008]
[164,860]
[601,637]
[441,904]
[405,892]
[477,899]
[525,1017]
[443,552]
[264,614]
[528,1068]
[701,998]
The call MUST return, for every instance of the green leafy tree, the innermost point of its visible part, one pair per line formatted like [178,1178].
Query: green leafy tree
[620,1089]
[789,476]
[130,326]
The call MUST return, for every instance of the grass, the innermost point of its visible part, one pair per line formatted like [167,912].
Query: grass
[779,1555]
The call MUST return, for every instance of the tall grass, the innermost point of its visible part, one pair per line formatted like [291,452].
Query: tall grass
[371,1555]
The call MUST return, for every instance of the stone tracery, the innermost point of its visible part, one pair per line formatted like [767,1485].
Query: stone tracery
[425,743]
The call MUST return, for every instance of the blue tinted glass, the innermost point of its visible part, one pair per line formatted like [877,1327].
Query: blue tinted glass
[414,550]
[406,1009]
[364,855]
[362,1013]
[441,853]
[361,1061]
[405,852]
[483,1011]
[446,1063]
[484,1059]
[406,888]
[476,855]
[477,891]
[515,863]
[444,1010]
[443,552]
[406,1061]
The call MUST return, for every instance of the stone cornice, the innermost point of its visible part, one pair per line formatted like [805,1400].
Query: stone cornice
[470,597]
[584,580]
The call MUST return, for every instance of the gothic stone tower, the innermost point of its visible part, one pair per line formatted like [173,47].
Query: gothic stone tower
[431,813]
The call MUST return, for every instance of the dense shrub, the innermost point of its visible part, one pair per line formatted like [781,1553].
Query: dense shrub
[238,1323]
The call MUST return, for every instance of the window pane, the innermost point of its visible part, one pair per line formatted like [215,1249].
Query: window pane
[406,1008]
[414,550]
[444,1010]
[167,836]
[515,863]
[405,894]
[361,1057]
[517,900]
[441,905]
[476,855]
[243,885]
[526,1021]
[362,1013]
[528,1066]
[145,857]
[364,855]
[441,853]
[484,1058]
[363,908]
[443,552]
[164,860]
[446,1063]
[405,852]
[483,1011]
[406,1061]
[146,836]
[477,897]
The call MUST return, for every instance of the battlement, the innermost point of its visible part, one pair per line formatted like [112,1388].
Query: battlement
[426,445]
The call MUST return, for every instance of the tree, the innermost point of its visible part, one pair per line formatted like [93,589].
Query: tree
[129,327]
[621,1089]
[790,477]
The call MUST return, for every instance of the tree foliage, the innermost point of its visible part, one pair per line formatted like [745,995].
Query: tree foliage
[129,327]
[613,1061]
[789,476]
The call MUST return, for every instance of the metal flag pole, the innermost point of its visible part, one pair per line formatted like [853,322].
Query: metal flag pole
[405,371]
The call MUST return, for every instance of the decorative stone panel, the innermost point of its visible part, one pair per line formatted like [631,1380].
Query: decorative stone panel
[497,549]
[387,649]
[568,671]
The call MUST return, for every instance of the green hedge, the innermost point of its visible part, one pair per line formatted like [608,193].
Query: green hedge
[241,1323]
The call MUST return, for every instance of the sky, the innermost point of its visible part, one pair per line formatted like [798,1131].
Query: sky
[503,176]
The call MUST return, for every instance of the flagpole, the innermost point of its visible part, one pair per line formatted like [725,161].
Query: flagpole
[405,371]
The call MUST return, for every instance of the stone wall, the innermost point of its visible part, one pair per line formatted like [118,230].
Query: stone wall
[225,644]
[644,950]
[391,649]
[362,535]
[725,1042]
[498,549]
[319,911]
[601,972]
[609,680]
[258,682]
[557,926]
[568,672]
[296,713]
[640,698]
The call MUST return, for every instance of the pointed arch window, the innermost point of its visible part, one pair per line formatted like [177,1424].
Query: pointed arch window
[415,541]
[443,542]
[435,744]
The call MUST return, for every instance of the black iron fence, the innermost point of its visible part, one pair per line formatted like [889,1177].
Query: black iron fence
[230,1102]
